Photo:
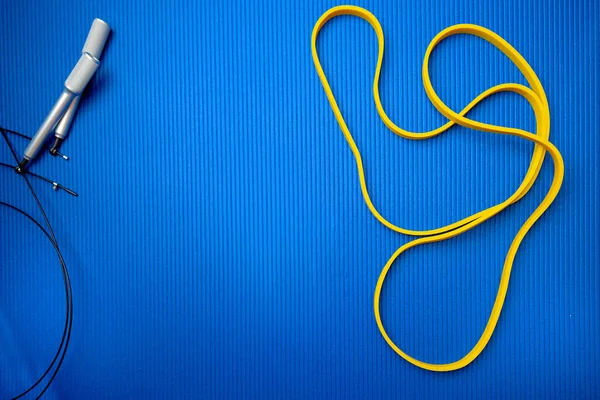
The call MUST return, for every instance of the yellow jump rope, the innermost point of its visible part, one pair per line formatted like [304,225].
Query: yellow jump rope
[536,97]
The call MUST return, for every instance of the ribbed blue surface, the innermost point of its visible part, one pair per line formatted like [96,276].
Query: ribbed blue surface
[220,247]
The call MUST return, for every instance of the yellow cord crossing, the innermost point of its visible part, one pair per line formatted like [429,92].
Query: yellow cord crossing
[534,95]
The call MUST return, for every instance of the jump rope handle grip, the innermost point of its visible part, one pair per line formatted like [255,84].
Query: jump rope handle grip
[93,47]
[80,76]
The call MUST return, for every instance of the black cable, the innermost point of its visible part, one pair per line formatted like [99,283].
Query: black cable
[66,336]
[15,133]
[68,323]
[50,181]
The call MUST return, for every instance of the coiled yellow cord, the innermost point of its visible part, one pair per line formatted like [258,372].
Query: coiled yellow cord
[536,97]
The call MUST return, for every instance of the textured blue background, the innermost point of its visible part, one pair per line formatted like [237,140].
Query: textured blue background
[220,247]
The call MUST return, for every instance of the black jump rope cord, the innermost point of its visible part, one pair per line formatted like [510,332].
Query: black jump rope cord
[66,335]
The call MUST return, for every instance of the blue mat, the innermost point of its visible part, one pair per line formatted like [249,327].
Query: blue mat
[220,247]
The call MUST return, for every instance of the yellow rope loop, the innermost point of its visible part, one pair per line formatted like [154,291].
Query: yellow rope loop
[536,98]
